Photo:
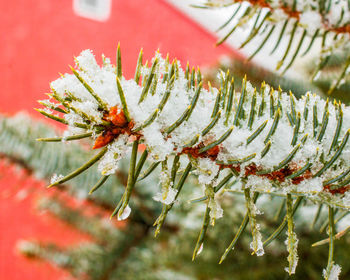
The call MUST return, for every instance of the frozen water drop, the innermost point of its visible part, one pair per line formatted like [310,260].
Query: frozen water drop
[200,249]
[125,214]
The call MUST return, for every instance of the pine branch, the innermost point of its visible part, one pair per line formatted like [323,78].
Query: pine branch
[219,132]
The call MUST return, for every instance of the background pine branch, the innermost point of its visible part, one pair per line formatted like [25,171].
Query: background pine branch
[305,26]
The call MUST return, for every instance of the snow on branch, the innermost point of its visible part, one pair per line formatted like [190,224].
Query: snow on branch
[268,140]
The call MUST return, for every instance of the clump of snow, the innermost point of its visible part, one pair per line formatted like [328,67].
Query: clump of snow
[279,15]
[216,212]
[166,196]
[159,148]
[263,184]
[116,150]
[207,170]
[311,20]
[334,272]
[311,186]
[73,118]
[55,178]
[86,61]
[89,108]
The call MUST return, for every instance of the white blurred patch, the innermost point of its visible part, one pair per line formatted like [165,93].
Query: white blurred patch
[99,10]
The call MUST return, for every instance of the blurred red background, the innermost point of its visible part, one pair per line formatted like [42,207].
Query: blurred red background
[39,39]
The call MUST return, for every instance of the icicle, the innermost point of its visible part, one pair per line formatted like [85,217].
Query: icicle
[55,178]
[168,193]
[333,273]
[256,245]
[216,211]
[292,240]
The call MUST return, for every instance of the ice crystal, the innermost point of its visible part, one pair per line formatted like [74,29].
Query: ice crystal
[55,178]
[216,212]
[168,193]
[116,150]
[207,171]
[292,247]
[256,245]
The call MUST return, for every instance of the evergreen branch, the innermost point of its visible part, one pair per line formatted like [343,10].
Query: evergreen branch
[188,126]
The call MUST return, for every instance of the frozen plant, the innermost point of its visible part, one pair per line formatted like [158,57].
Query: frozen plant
[266,139]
